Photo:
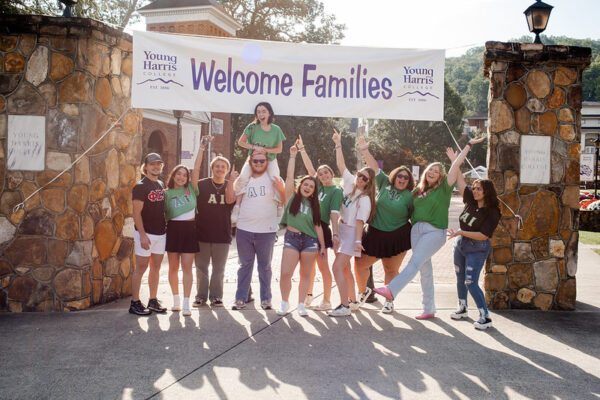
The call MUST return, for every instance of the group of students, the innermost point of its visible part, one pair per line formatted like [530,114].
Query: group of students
[373,216]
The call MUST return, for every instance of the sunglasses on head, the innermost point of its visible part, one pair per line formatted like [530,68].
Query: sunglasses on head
[402,177]
[261,161]
[363,177]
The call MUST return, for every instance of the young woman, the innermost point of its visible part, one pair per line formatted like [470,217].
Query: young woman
[330,200]
[431,200]
[213,231]
[358,208]
[180,212]
[303,237]
[262,136]
[387,238]
[478,221]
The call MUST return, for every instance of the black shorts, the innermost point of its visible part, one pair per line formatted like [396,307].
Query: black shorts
[382,244]
[327,235]
[181,237]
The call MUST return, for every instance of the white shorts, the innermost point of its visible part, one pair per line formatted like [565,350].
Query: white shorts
[347,237]
[157,244]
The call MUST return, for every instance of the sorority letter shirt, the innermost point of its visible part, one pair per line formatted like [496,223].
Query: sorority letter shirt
[433,206]
[355,207]
[152,193]
[256,135]
[213,219]
[258,210]
[475,219]
[180,201]
[303,220]
[330,199]
[393,206]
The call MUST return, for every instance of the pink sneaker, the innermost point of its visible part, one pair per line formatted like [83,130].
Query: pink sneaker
[424,315]
[385,292]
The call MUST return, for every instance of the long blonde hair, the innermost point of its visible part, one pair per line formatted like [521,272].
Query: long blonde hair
[424,186]
[369,190]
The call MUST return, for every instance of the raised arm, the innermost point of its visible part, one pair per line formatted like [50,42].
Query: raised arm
[363,146]
[460,179]
[339,155]
[305,159]
[455,168]
[229,190]
[198,163]
[289,178]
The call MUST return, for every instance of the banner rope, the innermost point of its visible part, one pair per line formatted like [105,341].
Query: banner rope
[480,177]
[22,204]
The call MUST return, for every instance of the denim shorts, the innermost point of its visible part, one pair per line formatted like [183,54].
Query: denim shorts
[300,242]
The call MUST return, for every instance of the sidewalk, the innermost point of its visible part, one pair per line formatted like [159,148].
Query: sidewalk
[223,354]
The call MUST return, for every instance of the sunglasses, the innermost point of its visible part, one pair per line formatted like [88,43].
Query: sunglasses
[402,177]
[262,161]
[363,177]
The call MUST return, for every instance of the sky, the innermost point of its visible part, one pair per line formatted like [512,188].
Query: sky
[454,25]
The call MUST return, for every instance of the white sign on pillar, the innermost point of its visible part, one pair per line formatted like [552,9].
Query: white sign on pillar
[26,142]
[586,167]
[535,159]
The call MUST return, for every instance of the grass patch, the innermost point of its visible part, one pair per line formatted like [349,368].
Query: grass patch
[589,237]
[597,251]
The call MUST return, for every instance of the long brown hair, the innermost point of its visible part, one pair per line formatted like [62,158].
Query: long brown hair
[411,179]
[313,199]
[424,186]
[490,197]
[171,181]
[369,190]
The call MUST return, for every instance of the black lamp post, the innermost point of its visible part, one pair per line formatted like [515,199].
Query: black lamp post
[597,145]
[537,16]
[68,4]
[178,114]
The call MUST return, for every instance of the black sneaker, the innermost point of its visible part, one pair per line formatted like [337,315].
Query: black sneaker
[483,323]
[154,305]
[198,303]
[216,303]
[138,308]
[460,313]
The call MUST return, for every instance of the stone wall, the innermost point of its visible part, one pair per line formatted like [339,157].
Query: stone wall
[71,245]
[534,90]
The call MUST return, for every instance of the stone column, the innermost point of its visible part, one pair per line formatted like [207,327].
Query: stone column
[535,92]
[71,245]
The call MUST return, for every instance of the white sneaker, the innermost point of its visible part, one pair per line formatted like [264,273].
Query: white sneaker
[302,310]
[235,213]
[324,306]
[483,323]
[340,311]
[186,312]
[354,305]
[460,313]
[308,299]
[388,307]
[283,310]
[176,307]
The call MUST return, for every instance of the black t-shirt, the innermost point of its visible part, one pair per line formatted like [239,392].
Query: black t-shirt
[475,219]
[153,214]
[213,219]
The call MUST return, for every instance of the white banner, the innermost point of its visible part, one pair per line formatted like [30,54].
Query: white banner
[232,75]
[587,162]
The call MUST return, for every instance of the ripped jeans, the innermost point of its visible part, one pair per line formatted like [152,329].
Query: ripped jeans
[469,258]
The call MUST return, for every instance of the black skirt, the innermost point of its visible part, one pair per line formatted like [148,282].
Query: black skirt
[181,237]
[382,244]
[327,235]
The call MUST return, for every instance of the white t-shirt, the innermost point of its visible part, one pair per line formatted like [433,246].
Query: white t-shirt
[258,210]
[356,207]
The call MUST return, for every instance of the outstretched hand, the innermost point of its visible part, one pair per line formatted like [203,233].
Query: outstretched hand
[476,140]
[451,233]
[233,175]
[362,143]
[205,140]
[452,154]
[299,142]
[337,137]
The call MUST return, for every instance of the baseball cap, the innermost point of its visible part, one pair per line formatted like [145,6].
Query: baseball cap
[153,157]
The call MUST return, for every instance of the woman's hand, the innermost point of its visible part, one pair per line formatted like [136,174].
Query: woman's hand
[337,138]
[293,151]
[205,140]
[336,242]
[323,252]
[358,247]
[259,149]
[362,143]
[452,154]
[476,140]
[299,143]
[453,233]
[278,183]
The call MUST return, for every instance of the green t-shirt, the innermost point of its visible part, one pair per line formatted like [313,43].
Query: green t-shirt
[330,199]
[256,135]
[393,207]
[303,220]
[433,207]
[178,201]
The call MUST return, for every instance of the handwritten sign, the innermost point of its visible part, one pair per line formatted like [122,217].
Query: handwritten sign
[26,142]
[535,159]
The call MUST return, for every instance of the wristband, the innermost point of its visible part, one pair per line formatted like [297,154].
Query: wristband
[358,241]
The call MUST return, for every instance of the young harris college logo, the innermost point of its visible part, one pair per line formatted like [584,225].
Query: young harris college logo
[158,70]
[417,82]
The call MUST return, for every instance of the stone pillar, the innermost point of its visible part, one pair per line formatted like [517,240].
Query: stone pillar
[535,93]
[71,245]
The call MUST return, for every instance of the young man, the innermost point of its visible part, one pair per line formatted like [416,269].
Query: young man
[150,233]
[257,226]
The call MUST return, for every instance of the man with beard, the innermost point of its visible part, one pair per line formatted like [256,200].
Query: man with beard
[257,231]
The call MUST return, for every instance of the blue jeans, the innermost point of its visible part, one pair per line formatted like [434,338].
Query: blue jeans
[469,258]
[250,246]
[300,242]
[426,240]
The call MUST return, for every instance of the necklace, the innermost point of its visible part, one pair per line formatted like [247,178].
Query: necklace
[217,188]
